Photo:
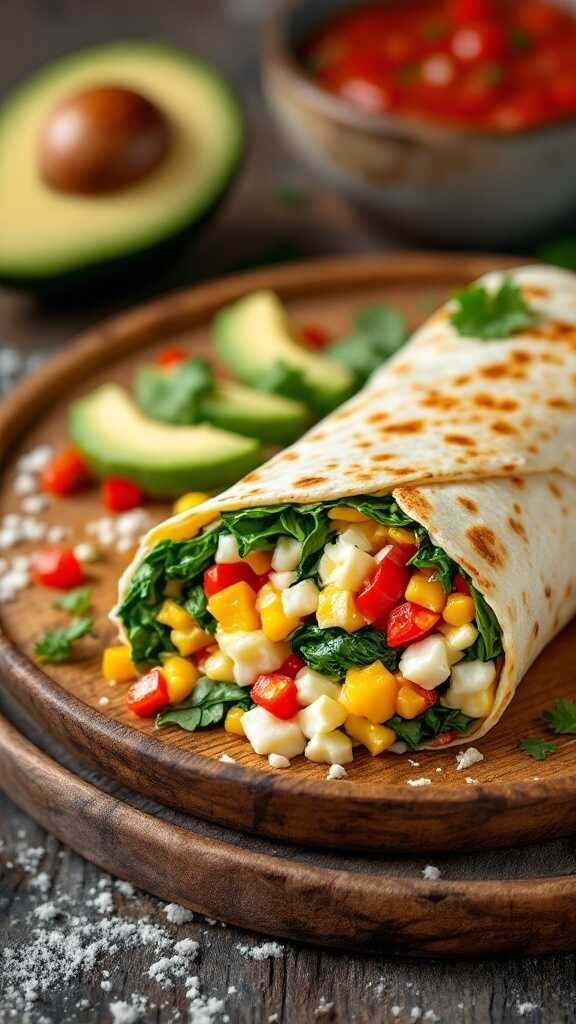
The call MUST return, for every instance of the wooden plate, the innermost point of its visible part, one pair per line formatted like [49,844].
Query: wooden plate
[514,799]
[481,905]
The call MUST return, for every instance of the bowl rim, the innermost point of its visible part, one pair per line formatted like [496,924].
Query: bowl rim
[279,57]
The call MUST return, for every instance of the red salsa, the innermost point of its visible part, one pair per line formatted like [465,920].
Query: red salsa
[501,65]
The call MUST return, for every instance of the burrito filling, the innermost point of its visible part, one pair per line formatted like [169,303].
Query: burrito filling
[342,621]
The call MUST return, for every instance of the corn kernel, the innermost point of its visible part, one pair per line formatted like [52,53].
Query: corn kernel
[370,692]
[233,721]
[173,615]
[459,610]
[234,608]
[398,535]
[276,624]
[181,677]
[409,703]
[376,738]
[347,514]
[426,592]
[338,608]
[219,667]
[259,561]
[117,664]
[189,641]
[189,500]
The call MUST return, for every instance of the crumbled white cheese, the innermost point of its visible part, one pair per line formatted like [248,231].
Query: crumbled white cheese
[177,914]
[471,781]
[23,484]
[55,534]
[34,503]
[431,873]
[86,552]
[523,1009]
[267,951]
[419,782]
[104,701]
[336,771]
[226,759]
[35,460]
[278,761]
[466,758]
[415,764]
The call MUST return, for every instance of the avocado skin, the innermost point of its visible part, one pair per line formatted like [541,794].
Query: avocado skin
[160,480]
[121,267]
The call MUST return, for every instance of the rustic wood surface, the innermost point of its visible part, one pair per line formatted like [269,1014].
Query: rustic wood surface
[277,211]
[513,800]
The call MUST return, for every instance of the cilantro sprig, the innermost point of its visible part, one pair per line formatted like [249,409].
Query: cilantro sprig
[537,748]
[491,315]
[561,719]
[55,645]
[76,601]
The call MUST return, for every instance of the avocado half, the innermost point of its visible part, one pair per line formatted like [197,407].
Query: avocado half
[50,240]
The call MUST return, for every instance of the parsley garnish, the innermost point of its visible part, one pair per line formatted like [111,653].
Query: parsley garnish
[56,644]
[561,719]
[489,315]
[537,748]
[76,601]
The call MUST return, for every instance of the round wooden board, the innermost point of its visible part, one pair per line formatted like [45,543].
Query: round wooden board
[481,905]
[514,798]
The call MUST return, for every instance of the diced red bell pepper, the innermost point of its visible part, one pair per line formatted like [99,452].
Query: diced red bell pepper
[148,695]
[465,11]
[382,591]
[430,696]
[443,739]
[409,622]
[226,574]
[315,336]
[460,585]
[292,666]
[66,473]
[57,567]
[479,41]
[169,357]
[276,693]
[120,495]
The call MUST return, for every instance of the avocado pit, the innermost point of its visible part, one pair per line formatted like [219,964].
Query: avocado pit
[102,140]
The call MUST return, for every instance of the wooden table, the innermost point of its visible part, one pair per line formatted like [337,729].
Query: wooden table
[277,211]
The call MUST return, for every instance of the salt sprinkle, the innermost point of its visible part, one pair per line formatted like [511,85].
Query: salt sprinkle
[278,761]
[525,1008]
[432,1017]
[127,1013]
[419,782]
[415,1013]
[56,533]
[25,483]
[46,912]
[337,771]
[104,701]
[86,552]
[35,460]
[226,759]
[125,888]
[324,1008]
[466,758]
[415,764]
[34,503]
[395,1010]
[177,914]
[431,873]
[267,951]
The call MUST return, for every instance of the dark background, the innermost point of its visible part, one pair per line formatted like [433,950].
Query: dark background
[276,211]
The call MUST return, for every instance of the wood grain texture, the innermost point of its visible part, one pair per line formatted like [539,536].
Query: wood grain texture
[375,809]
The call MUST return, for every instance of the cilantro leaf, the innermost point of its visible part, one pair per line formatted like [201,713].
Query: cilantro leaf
[537,748]
[490,315]
[562,717]
[379,331]
[207,705]
[76,601]
[175,395]
[55,645]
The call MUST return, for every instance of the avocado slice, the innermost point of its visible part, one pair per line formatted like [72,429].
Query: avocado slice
[270,418]
[116,438]
[254,338]
[52,239]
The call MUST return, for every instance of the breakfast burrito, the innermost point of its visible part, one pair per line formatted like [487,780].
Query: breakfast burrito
[388,580]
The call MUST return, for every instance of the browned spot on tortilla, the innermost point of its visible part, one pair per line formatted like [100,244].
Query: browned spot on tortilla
[378,417]
[559,403]
[550,358]
[364,444]
[407,427]
[463,379]
[342,414]
[287,457]
[382,457]
[405,471]
[517,508]
[363,476]
[555,489]
[460,439]
[512,611]
[535,291]
[254,475]
[309,481]
[484,540]
[521,357]
[535,629]
[494,370]
[524,598]
[468,504]
[569,589]
[318,435]
[548,590]
[436,401]
[473,571]
[556,623]
[518,528]
[518,481]
[533,449]
[508,467]
[413,499]
[502,427]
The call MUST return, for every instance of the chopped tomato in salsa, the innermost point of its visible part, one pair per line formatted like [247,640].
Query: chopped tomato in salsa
[502,65]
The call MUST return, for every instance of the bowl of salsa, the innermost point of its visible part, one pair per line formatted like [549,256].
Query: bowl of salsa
[456,119]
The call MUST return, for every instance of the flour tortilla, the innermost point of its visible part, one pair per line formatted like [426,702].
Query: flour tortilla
[476,440]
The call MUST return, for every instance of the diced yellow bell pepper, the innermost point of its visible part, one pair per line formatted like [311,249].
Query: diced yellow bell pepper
[189,500]
[219,667]
[428,593]
[399,535]
[347,514]
[233,721]
[234,608]
[117,664]
[260,561]
[276,625]
[189,641]
[338,608]
[370,692]
[409,703]
[459,610]
[173,615]
[181,677]
[376,738]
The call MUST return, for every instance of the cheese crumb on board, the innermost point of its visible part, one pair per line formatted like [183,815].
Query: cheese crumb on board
[336,771]
[177,914]
[431,873]
[267,951]
[226,759]
[278,761]
[466,758]
[419,782]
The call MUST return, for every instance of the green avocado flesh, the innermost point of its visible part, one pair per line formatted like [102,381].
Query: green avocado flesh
[47,235]
[270,418]
[165,460]
[253,336]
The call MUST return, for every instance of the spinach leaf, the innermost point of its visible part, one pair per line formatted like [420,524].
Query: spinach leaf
[489,642]
[174,395]
[55,645]
[432,723]
[430,556]
[491,315]
[384,510]
[379,331]
[207,705]
[333,651]
[195,602]
[261,527]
